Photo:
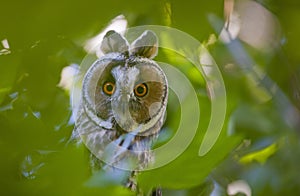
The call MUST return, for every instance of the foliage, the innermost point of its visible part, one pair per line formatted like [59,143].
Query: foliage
[259,142]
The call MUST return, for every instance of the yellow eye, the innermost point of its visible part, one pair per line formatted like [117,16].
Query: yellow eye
[108,88]
[140,90]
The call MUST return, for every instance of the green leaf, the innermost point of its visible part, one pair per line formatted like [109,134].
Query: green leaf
[189,169]
[260,156]
[8,71]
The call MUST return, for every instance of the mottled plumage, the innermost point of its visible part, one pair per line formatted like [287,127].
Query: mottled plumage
[123,103]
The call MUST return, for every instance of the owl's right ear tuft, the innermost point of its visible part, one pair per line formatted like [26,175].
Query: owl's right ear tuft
[114,42]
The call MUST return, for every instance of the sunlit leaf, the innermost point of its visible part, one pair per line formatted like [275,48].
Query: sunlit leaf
[260,156]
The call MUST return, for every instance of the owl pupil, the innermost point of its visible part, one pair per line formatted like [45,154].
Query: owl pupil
[109,87]
[140,90]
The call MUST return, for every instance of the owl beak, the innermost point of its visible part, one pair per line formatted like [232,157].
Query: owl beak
[120,108]
[123,104]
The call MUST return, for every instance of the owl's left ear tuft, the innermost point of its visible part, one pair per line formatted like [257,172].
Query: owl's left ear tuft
[146,45]
[114,42]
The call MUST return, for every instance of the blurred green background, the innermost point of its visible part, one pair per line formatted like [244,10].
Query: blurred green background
[259,144]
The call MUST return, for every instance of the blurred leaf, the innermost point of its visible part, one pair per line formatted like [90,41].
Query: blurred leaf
[189,169]
[65,173]
[8,71]
[191,16]
[260,156]
[36,21]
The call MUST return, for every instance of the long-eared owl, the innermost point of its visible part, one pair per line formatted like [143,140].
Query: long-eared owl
[123,102]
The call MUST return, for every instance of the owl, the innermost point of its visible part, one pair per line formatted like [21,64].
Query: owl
[123,102]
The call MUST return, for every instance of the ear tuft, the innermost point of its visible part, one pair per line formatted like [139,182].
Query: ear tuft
[146,45]
[114,42]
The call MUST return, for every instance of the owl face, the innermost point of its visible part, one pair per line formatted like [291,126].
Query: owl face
[126,91]
[131,93]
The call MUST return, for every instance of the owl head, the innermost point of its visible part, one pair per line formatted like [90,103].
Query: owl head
[125,90]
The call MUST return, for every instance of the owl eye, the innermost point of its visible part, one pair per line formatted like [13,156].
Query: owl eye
[140,90]
[108,88]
